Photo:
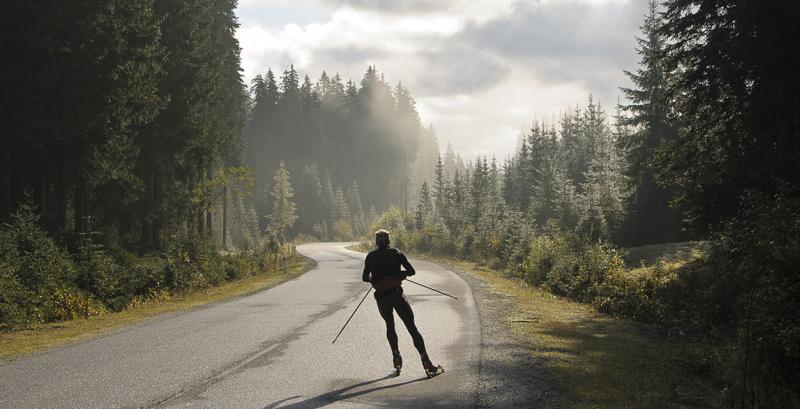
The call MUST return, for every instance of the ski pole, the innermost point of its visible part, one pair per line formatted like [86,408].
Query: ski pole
[432,289]
[351,315]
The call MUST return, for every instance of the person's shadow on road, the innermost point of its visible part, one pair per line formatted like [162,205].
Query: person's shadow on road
[339,394]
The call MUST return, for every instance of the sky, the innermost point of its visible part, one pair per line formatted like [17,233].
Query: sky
[480,70]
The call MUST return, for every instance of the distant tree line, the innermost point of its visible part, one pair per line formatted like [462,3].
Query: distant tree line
[351,150]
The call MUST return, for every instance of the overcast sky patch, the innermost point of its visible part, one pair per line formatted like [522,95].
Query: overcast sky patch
[481,70]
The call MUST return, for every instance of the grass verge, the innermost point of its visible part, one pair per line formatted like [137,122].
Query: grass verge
[37,338]
[599,361]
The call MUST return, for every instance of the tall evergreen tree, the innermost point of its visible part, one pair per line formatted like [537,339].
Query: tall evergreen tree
[441,188]
[545,151]
[736,94]
[283,215]
[356,207]
[423,215]
[651,219]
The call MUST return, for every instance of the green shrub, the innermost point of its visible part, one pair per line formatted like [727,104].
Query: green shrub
[32,267]
[549,258]
[99,273]
[41,282]
[38,262]
[342,231]
[640,295]
[69,304]
[244,265]
[15,306]
[570,267]
[142,276]
[391,220]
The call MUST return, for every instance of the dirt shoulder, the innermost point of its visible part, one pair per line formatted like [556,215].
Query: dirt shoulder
[509,375]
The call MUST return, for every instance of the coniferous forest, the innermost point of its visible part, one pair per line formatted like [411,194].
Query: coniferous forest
[137,162]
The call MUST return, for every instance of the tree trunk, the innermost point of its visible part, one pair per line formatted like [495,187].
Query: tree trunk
[146,209]
[200,223]
[405,180]
[209,213]
[199,215]
[149,238]
[5,206]
[224,216]
[43,194]
[61,196]
[80,205]
[155,212]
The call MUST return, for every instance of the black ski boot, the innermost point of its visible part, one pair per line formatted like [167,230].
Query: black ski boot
[431,370]
[397,360]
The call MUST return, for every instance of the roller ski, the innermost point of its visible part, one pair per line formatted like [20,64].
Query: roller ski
[397,360]
[431,370]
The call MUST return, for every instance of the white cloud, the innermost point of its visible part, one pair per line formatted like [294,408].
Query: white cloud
[348,28]
[481,70]
[489,122]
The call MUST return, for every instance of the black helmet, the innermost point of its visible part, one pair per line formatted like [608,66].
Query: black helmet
[382,238]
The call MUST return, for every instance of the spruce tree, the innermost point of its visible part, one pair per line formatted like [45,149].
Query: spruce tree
[356,207]
[424,212]
[545,148]
[441,187]
[651,219]
[283,215]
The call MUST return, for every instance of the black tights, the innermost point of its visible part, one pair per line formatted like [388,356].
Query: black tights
[395,300]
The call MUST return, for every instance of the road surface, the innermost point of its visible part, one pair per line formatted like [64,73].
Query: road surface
[269,350]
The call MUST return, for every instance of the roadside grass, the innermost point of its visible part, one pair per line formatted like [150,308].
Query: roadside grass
[673,254]
[36,338]
[600,361]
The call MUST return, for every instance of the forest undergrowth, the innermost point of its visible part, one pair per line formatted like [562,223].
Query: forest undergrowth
[51,294]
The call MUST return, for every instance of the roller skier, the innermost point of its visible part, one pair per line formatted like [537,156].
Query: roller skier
[382,270]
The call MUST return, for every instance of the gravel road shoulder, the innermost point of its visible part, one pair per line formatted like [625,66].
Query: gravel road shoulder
[508,374]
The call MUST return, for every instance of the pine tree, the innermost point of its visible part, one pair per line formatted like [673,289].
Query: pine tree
[510,183]
[424,212]
[340,209]
[451,162]
[600,191]
[329,200]
[651,219]
[479,191]
[574,144]
[441,187]
[311,207]
[736,93]
[283,215]
[524,177]
[567,212]
[459,200]
[356,207]
[409,132]
[545,148]
[423,167]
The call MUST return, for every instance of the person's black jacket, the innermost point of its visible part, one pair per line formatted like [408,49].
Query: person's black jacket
[385,263]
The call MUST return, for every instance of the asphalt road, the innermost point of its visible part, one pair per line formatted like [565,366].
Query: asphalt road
[269,350]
